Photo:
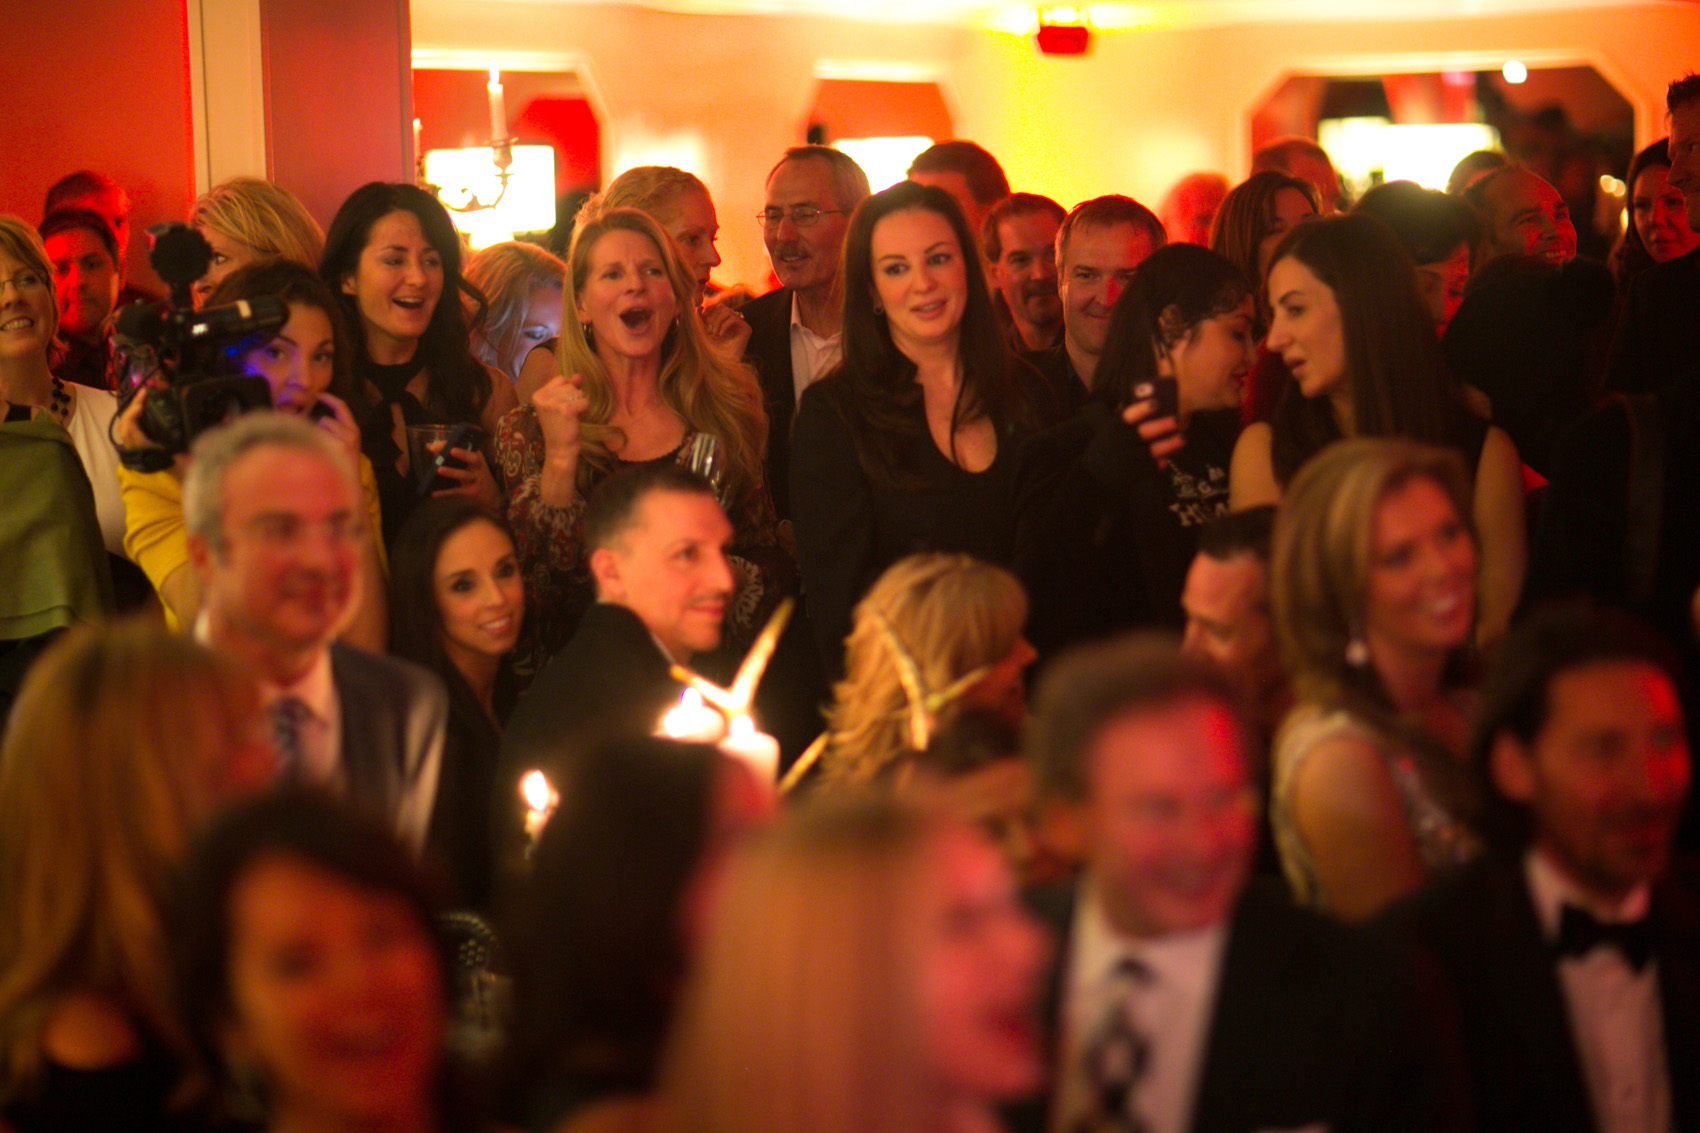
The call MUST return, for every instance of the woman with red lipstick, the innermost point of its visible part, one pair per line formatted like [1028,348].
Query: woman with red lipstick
[908,444]
[1110,502]
[457,577]
[1374,598]
[896,991]
[394,261]
[1351,325]
[1658,223]
[637,380]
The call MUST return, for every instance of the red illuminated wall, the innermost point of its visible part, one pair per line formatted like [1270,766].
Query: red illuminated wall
[97,85]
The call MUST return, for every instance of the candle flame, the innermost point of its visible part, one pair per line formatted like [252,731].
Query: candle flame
[536,791]
[741,726]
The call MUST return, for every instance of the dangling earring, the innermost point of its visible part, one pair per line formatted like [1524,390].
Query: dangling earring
[1357,651]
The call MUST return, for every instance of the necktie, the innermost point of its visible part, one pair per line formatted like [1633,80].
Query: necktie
[1579,933]
[289,715]
[1117,1056]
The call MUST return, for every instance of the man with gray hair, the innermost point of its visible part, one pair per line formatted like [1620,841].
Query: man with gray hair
[275,522]
[794,328]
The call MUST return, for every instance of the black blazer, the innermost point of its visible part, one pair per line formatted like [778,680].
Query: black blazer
[1480,930]
[769,351]
[394,714]
[1312,1025]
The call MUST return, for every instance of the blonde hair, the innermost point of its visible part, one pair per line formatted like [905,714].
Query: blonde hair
[1320,565]
[23,244]
[823,1035]
[654,189]
[709,392]
[953,615]
[507,274]
[114,755]
[264,216]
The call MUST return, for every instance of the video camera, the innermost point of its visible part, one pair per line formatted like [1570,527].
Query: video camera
[186,362]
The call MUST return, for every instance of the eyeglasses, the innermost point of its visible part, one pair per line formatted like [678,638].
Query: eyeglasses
[24,281]
[803,216]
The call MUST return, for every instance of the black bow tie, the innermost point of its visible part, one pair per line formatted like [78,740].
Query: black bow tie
[1579,933]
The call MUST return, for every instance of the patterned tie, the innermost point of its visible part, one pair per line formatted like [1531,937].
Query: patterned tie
[289,715]
[1117,1056]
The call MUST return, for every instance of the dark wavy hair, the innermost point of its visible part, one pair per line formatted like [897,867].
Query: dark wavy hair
[1173,290]
[1630,258]
[305,825]
[1396,375]
[886,395]
[1427,222]
[297,283]
[416,633]
[459,385]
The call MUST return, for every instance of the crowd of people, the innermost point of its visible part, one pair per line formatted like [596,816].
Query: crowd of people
[520,690]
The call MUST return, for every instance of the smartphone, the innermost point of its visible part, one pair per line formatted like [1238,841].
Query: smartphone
[1165,392]
[429,480]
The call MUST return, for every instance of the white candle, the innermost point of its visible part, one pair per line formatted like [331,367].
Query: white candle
[498,108]
[758,749]
[691,719]
[418,151]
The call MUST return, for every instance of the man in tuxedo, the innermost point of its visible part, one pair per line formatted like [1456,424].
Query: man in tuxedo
[1186,999]
[275,526]
[1570,952]
[794,329]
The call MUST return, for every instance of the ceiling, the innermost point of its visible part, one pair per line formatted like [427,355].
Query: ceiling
[1020,18]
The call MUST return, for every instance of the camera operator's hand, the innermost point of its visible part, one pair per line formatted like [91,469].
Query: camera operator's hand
[475,479]
[126,432]
[341,425]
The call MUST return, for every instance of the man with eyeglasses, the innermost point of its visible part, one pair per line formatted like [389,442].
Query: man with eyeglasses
[275,522]
[794,329]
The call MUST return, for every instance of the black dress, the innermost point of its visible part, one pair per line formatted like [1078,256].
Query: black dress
[851,525]
[1104,536]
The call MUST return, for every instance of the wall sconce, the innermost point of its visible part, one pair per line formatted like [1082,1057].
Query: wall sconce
[521,192]
[501,155]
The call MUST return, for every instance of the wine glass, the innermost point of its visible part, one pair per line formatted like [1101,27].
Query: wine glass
[705,456]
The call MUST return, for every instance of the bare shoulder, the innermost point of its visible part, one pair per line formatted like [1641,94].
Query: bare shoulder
[1251,472]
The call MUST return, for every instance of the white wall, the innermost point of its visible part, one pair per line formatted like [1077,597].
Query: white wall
[727,93]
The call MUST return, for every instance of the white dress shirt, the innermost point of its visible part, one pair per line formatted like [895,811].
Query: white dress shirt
[811,354]
[1173,1009]
[1614,1010]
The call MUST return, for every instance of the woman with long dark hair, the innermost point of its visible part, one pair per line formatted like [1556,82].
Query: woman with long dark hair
[394,260]
[457,578]
[1351,325]
[908,444]
[1111,501]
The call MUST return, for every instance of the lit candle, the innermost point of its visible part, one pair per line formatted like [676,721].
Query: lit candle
[540,802]
[758,749]
[498,108]
[691,719]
